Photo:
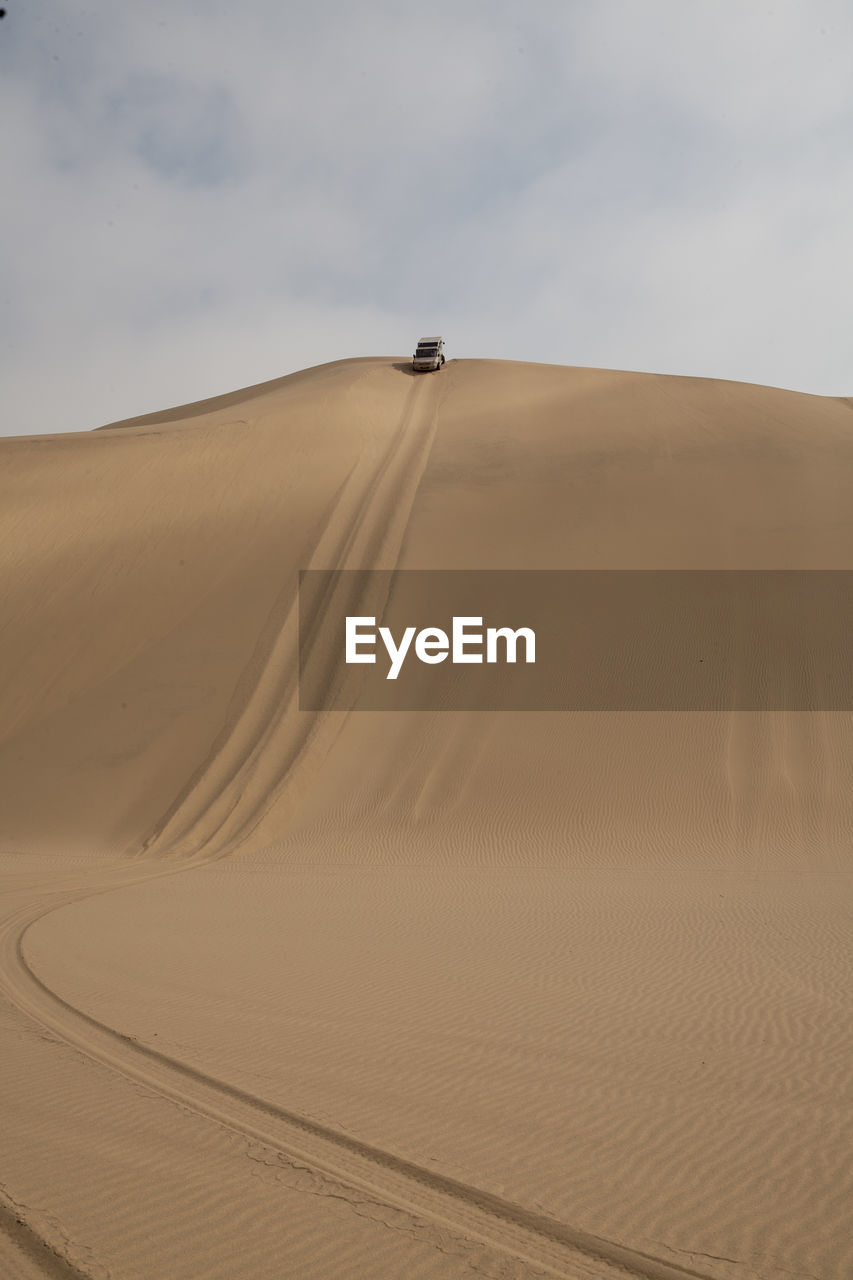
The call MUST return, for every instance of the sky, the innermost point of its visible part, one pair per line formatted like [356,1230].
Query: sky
[199,197]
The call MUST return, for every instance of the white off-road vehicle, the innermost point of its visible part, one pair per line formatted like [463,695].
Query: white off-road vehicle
[429,355]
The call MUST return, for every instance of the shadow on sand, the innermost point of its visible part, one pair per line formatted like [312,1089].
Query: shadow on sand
[405,366]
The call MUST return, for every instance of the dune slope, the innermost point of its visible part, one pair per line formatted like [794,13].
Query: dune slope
[484,992]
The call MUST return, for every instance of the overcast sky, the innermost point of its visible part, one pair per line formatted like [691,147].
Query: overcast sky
[200,196]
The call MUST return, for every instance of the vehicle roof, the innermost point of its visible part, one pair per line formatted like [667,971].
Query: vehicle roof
[422,342]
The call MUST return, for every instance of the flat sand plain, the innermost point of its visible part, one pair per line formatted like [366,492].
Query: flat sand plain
[428,994]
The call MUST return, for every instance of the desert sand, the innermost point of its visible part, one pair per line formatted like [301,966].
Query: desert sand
[413,994]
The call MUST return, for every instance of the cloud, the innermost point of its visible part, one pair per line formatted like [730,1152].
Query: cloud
[182,132]
[200,197]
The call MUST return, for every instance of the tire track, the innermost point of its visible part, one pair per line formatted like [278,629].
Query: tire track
[342,1160]
[34,1253]
[257,756]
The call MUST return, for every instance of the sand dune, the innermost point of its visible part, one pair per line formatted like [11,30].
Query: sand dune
[317,993]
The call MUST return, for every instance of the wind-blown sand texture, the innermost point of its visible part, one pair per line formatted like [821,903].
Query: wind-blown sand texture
[426,994]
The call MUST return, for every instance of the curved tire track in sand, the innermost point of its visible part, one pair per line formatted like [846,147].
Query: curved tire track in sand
[533,1238]
[257,754]
[35,1255]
